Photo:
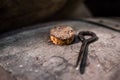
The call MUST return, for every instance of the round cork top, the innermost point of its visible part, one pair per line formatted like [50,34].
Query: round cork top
[62,32]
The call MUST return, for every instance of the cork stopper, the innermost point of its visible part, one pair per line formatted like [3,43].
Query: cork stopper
[62,32]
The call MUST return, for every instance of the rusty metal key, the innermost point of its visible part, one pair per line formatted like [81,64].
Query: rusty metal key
[82,57]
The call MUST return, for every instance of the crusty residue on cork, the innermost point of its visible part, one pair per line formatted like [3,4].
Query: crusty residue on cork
[62,35]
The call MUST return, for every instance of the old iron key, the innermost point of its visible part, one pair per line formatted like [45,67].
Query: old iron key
[82,57]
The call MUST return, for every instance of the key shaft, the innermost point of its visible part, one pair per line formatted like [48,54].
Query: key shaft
[82,57]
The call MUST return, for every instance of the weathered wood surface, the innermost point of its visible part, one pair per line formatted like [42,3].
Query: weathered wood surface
[28,55]
[110,22]
[5,75]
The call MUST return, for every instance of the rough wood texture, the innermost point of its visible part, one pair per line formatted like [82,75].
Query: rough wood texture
[5,75]
[110,22]
[28,55]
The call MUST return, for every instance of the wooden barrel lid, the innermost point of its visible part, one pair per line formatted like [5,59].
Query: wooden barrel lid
[29,55]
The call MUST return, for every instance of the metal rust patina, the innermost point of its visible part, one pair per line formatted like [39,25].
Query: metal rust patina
[28,55]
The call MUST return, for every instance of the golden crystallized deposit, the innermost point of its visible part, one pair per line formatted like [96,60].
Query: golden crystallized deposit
[62,35]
